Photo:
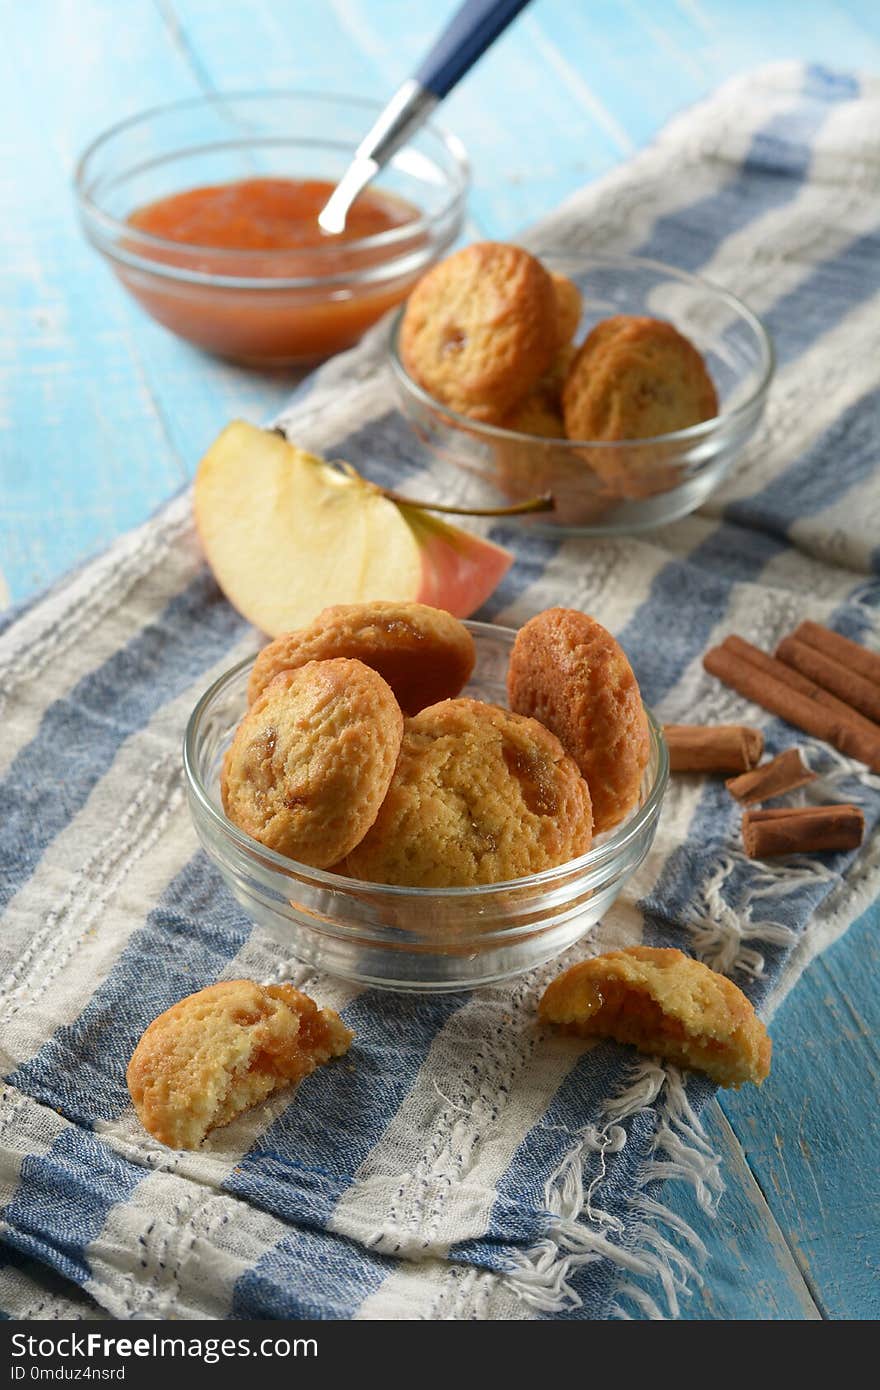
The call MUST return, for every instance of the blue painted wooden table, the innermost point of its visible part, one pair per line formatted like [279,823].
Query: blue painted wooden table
[102,414]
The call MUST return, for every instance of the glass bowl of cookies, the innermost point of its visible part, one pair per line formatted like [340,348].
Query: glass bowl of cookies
[623,388]
[451,839]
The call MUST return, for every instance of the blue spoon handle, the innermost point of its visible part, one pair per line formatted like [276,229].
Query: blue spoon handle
[465,39]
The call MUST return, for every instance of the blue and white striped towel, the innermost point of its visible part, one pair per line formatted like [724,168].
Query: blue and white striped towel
[455,1166]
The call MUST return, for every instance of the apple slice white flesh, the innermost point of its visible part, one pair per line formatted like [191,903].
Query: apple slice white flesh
[286,534]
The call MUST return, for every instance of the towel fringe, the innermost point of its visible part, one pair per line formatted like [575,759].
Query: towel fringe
[653,1246]
[720,929]
[832,767]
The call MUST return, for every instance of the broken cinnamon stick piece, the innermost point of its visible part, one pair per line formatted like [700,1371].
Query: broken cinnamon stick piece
[802,830]
[847,685]
[856,657]
[782,774]
[713,747]
[786,693]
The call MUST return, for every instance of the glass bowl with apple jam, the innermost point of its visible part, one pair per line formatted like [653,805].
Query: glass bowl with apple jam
[206,211]
[428,939]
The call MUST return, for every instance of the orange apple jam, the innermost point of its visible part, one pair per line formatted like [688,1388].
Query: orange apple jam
[346,285]
[265,215]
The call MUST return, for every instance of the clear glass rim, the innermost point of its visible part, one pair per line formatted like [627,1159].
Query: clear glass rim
[595,858]
[692,433]
[456,179]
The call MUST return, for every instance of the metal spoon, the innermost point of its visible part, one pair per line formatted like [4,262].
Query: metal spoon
[472,29]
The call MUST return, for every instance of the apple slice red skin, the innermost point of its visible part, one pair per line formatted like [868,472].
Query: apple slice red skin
[461,570]
[252,498]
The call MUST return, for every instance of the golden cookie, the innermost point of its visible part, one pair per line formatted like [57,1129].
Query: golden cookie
[635,378]
[423,653]
[597,342]
[480,795]
[222,1050]
[480,329]
[539,412]
[545,463]
[553,380]
[568,671]
[310,763]
[568,306]
[641,470]
[663,1002]
[580,495]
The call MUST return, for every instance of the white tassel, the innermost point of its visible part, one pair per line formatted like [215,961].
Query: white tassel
[720,929]
[582,1233]
[638,1296]
[831,768]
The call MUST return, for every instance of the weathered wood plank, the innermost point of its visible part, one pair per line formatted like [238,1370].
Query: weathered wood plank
[811,1135]
[85,454]
[750,1271]
[832,32]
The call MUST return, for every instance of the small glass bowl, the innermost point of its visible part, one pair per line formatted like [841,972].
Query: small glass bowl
[265,306]
[427,939]
[601,487]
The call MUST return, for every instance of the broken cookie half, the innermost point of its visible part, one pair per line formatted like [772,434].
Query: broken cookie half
[220,1051]
[664,1003]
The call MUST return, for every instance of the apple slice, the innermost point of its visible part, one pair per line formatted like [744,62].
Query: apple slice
[286,534]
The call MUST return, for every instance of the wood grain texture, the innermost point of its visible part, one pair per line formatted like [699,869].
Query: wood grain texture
[811,1136]
[102,414]
[751,1270]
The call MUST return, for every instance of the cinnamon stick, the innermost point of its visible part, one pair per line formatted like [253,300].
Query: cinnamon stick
[856,657]
[782,774]
[786,693]
[802,684]
[847,685]
[802,830]
[712,747]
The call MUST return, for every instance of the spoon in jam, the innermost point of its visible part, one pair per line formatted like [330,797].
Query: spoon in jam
[473,28]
